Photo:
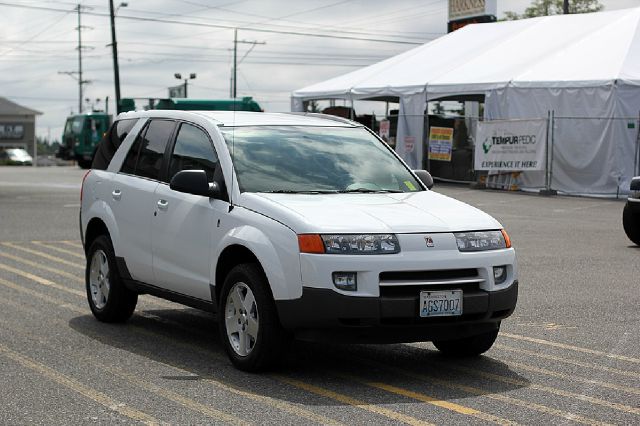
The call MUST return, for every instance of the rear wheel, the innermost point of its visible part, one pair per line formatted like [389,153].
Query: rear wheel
[109,299]
[248,321]
[631,223]
[468,346]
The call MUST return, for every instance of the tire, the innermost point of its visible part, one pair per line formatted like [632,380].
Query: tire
[85,164]
[631,224]
[468,346]
[109,299]
[249,326]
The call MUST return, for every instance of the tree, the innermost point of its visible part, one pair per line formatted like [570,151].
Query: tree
[554,7]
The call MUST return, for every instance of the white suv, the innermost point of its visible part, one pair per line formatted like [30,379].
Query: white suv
[288,225]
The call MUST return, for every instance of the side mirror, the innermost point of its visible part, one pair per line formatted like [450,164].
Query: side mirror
[195,182]
[635,184]
[425,177]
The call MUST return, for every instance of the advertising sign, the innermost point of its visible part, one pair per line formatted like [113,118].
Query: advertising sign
[384,130]
[11,131]
[460,9]
[440,143]
[177,91]
[511,145]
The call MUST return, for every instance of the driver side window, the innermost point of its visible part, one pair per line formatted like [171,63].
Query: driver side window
[193,150]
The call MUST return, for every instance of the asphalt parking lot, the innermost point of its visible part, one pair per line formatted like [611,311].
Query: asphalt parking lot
[569,354]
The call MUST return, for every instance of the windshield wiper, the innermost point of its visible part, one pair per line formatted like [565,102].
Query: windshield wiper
[368,191]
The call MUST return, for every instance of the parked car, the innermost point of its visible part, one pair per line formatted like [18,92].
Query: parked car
[631,212]
[15,157]
[288,225]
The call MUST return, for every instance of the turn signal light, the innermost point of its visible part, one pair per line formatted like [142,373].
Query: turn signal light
[310,243]
[507,240]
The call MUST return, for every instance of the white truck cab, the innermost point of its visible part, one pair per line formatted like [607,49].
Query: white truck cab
[288,225]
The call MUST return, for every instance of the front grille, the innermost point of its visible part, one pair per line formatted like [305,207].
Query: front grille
[425,276]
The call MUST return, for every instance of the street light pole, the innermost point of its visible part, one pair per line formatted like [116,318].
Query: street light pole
[114,49]
[235,63]
[192,76]
[565,7]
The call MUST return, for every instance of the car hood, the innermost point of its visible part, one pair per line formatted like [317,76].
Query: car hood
[424,211]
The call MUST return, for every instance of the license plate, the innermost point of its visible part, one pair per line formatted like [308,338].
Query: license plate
[444,303]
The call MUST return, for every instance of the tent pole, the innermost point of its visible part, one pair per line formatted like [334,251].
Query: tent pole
[546,166]
[553,125]
[548,158]
[636,170]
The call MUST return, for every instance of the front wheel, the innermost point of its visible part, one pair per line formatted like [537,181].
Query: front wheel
[468,346]
[248,321]
[109,299]
[84,164]
[631,224]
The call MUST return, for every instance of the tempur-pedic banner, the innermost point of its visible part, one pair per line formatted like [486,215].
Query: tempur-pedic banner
[511,145]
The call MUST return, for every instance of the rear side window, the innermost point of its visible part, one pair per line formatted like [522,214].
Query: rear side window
[193,151]
[111,142]
[145,157]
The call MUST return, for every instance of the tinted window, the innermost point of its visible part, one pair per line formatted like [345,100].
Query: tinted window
[193,151]
[129,165]
[111,142]
[151,150]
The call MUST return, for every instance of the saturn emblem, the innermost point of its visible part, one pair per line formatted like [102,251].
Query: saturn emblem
[429,241]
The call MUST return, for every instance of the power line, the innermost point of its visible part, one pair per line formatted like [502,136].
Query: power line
[207,25]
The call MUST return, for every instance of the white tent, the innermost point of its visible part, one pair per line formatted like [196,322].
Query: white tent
[585,67]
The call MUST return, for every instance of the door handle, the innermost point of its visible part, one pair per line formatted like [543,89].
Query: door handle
[163,204]
[116,194]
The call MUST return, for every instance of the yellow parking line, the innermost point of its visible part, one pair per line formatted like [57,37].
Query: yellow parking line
[58,249]
[575,378]
[393,415]
[69,243]
[164,393]
[176,397]
[569,361]
[78,387]
[44,281]
[41,280]
[21,307]
[543,388]
[265,400]
[442,404]
[44,255]
[486,393]
[43,267]
[570,347]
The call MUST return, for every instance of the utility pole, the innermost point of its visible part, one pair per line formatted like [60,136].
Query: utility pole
[234,74]
[79,60]
[77,75]
[114,49]
[565,7]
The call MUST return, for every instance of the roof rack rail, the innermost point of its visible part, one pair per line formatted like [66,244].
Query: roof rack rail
[326,117]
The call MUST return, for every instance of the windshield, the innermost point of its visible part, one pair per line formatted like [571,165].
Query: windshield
[74,125]
[314,159]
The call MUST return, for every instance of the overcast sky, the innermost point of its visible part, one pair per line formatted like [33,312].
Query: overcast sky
[37,45]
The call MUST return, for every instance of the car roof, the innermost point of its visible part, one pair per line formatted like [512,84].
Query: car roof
[245,118]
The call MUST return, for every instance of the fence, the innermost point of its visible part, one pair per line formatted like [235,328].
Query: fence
[593,156]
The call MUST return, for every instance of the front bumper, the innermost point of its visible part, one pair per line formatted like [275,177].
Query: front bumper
[323,314]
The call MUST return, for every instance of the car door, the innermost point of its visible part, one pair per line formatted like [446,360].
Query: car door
[133,197]
[186,225]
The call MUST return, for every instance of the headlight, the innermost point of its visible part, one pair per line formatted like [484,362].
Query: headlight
[482,240]
[361,244]
[349,243]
